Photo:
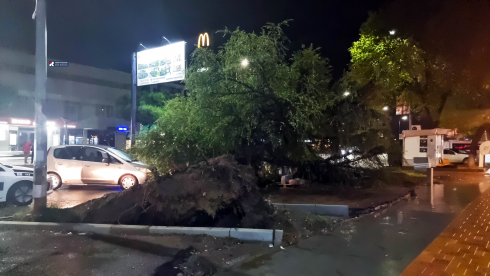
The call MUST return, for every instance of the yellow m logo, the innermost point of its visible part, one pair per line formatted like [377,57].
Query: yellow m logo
[203,38]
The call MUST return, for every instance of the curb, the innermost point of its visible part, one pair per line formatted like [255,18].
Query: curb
[318,209]
[369,210]
[247,258]
[246,234]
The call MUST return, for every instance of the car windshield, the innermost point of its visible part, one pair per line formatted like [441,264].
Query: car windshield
[121,154]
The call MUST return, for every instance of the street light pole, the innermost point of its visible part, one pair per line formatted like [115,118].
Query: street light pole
[41,143]
[133,99]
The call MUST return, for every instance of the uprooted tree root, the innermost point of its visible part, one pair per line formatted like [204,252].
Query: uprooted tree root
[217,193]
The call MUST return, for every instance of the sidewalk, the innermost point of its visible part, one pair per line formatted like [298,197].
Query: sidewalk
[463,248]
[11,154]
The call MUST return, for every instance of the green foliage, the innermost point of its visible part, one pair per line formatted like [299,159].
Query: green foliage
[399,71]
[148,105]
[261,111]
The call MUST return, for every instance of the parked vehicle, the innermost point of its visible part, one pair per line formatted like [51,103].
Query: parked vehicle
[16,185]
[94,164]
[454,156]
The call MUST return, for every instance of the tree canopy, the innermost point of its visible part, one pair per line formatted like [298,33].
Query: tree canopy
[400,72]
[148,103]
[250,99]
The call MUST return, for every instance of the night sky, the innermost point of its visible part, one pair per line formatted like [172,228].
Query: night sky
[104,33]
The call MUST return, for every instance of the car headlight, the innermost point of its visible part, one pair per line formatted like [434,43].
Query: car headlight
[143,170]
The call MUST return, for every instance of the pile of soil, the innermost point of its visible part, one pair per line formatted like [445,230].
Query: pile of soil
[216,193]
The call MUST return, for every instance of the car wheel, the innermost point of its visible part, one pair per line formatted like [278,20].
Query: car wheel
[55,181]
[21,193]
[127,181]
[465,161]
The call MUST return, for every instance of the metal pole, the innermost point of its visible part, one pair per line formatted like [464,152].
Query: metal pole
[410,121]
[41,143]
[133,100]
[399,129]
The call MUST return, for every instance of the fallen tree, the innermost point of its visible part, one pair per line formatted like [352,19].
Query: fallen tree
[216,193]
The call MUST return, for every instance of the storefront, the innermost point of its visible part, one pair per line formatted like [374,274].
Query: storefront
[15,132]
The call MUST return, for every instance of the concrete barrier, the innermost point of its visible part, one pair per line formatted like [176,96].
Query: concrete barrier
[92,228]
[278,237]
[263,235]
[318,209]
[215,232]
[246,234]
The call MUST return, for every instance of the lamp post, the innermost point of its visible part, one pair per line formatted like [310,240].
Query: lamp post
[41,143]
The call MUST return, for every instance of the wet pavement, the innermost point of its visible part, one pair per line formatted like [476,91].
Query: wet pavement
[65,197]
[383,243]
[462,248]
[48,253]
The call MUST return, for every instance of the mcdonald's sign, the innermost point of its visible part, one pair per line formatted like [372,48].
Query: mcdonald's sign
[203,40]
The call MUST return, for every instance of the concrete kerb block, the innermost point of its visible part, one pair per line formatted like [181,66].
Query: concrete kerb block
[215,232]
[93,228]
[332,210]
[278,234]
[261,235]
[140,230]
[309,208]
[162,230]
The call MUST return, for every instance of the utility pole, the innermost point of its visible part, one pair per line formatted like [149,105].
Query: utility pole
[40,138]
[409,118]
[133,99]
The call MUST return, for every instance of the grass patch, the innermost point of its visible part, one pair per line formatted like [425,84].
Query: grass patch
[318,223]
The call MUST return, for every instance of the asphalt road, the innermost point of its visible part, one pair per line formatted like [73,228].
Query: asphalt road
[381,244]
[65,197]
[49,253]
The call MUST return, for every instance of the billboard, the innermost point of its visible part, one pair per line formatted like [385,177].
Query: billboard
[162,64]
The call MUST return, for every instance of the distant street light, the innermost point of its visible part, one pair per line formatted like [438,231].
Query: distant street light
[385,108]
[245,62]
[392,32]
[346,93]
[402,118]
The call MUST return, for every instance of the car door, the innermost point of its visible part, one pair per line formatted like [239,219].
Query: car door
[68,163]
[450,155]
[95,169]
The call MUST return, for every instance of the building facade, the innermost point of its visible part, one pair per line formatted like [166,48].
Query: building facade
[80,103]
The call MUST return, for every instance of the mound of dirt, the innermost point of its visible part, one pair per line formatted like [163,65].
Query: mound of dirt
[217,193]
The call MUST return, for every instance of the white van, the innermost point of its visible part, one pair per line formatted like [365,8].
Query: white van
[93,164]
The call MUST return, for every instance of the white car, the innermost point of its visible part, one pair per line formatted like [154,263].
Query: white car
[455,157]
[16,185]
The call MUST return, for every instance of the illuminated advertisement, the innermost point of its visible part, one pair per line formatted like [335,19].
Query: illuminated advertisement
[162,64]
